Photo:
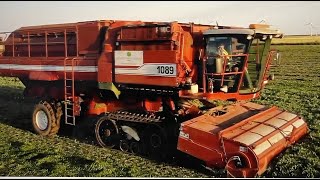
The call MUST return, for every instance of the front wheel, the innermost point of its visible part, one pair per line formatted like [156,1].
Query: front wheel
[44,120]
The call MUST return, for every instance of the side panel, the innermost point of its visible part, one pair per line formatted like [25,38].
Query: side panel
[89,40]
[158,68]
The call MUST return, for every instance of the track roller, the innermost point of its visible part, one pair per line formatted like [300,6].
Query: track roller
[124,145]
[155,141]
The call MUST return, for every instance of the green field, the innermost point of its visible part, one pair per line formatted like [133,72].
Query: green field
[295,88]
[297,40]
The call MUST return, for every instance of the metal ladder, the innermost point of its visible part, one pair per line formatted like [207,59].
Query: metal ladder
[69,94]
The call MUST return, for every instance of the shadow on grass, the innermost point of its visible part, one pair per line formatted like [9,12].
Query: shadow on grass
[16,111]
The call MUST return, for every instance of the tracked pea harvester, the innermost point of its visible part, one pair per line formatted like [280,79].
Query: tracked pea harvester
[150,88]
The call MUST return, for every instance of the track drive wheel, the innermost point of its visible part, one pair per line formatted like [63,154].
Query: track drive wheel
[107,132]
[156,142]
[44,120]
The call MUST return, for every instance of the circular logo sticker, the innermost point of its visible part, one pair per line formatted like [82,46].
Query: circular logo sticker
[128,54]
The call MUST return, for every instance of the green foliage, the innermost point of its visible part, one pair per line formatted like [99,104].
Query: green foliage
[26,154]
[297,40]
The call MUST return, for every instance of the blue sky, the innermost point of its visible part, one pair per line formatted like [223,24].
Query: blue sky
[289,17]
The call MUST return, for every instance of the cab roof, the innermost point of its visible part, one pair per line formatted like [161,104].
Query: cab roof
[253,29]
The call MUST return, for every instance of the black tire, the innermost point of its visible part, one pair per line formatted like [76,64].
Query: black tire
[49,126]
[155,142]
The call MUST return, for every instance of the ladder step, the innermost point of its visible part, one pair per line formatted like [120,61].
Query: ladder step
[70,116]
[68,86]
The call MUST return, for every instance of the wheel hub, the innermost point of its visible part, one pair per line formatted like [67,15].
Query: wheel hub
[42,120]
[107,132]
[155,140]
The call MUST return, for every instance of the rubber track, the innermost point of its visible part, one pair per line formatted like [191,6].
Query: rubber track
[134,117]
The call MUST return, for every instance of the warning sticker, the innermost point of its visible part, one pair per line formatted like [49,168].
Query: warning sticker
[128,58]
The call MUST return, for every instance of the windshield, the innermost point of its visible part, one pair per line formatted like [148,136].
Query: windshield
[233,45]
[257,60]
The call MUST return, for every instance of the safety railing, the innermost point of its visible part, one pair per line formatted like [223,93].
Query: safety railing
[224,72]
[10,39]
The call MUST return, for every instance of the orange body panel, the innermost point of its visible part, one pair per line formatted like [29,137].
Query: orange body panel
[219,95]
[153,106]
[147,80]
[253,132]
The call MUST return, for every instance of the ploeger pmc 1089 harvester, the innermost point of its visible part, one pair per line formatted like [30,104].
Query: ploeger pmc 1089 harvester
[152,86]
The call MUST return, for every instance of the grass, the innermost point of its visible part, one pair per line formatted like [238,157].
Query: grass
[297,40]
[26,154]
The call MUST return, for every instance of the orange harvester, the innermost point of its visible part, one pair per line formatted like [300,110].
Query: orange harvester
[150,88]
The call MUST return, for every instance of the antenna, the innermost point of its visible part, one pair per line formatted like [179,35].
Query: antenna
[213,22]
[217,25]
[263,21]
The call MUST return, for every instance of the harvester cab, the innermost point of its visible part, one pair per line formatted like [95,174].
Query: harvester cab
[236,61]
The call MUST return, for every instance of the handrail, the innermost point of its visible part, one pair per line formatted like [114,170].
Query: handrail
[224,73]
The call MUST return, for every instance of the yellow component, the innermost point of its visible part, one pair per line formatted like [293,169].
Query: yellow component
[2,47]
[99,105]
[115,90]
[110,86]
